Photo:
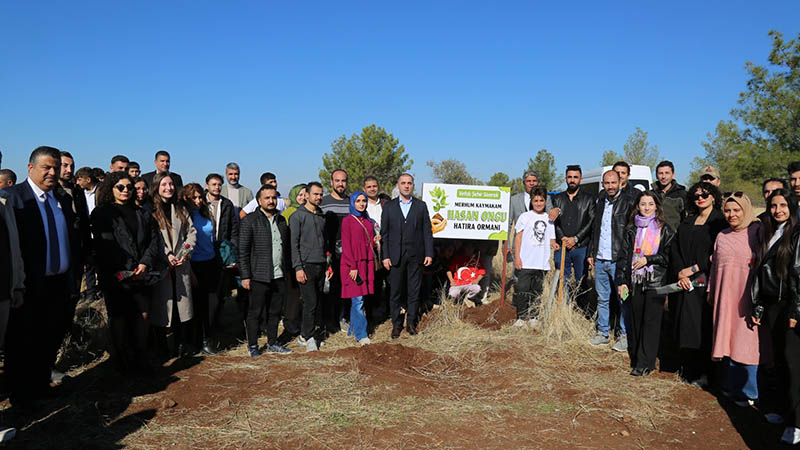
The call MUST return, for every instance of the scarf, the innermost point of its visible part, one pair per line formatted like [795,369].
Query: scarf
[648,238]
[353,209]
[748,216]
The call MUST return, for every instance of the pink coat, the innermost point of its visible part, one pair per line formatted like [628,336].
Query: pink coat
[357,245]
[732,264]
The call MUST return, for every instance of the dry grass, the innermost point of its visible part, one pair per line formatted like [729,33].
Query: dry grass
[469,376]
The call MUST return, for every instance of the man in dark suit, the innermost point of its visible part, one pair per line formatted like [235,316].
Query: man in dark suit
[52,244]
[407,245]
[162,163]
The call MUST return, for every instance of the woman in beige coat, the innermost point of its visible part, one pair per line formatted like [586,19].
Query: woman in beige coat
[171,304]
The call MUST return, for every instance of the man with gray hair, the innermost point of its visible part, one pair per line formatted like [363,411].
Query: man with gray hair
[233,191]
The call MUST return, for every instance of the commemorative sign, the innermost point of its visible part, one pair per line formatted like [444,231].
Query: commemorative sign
[460,211]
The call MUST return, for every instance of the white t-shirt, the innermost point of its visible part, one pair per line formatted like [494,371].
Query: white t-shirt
[537,231]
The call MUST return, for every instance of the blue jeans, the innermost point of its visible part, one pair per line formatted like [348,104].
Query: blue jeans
[358,321]
[604,272]
[741,381]
[574,261]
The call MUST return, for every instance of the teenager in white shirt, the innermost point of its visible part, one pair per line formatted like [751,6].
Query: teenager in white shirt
[533,243]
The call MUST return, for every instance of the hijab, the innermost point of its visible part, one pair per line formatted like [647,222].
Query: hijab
[353,209]
[293,194]
[743,201]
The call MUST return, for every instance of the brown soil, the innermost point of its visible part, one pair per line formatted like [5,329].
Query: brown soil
[491,316]
[431,400]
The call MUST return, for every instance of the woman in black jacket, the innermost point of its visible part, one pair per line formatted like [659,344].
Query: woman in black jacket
[126,250]
[776,305]
[641,267]
[690,261]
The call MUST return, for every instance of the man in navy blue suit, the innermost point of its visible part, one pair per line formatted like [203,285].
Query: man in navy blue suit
[51,238]
[407,244]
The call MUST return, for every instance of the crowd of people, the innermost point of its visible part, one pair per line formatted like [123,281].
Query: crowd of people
[163,255]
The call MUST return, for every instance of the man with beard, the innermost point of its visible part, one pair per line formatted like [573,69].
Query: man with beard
[238,195]
[266,178]
[574,224]
[611,211]
[671,194]
[336,206]
[623,169]
[66,181]
[794,177]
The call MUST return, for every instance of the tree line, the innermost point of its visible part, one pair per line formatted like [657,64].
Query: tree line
[758,141]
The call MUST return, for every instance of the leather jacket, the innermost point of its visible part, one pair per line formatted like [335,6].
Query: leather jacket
[621,211]
[659,261]
[768,288]
[585,203]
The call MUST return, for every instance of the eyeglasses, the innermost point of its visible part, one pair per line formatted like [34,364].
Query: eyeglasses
[734,194]
[124,187]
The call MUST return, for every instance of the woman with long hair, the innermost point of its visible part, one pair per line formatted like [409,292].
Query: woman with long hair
[171,305]
[126,247]
[690,260]
[641,267]
[358,263]
[205,264]
[776,307]
[735,336]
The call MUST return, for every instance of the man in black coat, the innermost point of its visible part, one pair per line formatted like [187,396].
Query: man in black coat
[162,163]
[574,224]
[264,264]
[52,244]
[407,245]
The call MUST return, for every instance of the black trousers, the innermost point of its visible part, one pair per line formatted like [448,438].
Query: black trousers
[265,295]
[527,292]
[35,333]
[647,309]
[207,274]
[129,330]
[311,292]
[292,311]
[406,274]
[335,308]
[377,304]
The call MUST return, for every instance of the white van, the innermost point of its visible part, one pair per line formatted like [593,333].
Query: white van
[641,178]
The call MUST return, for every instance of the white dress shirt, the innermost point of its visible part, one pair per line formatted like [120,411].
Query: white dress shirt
[61,228]
[90,202]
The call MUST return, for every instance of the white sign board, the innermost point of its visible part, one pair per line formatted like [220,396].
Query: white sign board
[467,212]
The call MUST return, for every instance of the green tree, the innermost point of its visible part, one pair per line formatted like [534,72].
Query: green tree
[637,150]
[766,136]
[452,171]
[610,157]
[373,152]
[499,179]
[544,164]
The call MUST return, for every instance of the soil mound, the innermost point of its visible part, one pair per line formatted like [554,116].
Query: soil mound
[491,316]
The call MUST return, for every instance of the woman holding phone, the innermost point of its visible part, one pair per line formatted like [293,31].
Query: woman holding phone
[642,267]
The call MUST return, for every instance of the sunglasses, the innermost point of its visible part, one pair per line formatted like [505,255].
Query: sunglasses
[738,194]
[124,187]
[704,196]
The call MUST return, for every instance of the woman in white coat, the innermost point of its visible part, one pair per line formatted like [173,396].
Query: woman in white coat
[171,305]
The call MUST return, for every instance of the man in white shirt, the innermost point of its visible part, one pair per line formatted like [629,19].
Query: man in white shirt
[84,179]
[266,178]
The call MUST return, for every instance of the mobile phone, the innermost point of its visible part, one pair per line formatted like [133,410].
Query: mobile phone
[359,281]
[625,293]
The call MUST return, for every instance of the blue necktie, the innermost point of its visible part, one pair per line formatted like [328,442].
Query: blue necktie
[52,240]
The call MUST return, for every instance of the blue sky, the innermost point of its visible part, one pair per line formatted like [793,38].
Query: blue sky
[271,84]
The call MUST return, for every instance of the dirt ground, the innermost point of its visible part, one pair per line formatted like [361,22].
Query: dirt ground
[455,385]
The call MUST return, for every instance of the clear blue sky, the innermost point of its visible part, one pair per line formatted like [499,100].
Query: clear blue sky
[271,84]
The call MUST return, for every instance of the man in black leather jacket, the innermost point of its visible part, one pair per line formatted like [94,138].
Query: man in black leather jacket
[612,211]
[574,223]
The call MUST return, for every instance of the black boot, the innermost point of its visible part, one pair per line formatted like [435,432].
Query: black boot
[208,348]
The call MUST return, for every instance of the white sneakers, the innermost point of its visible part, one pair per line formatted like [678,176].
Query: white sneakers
[519,323]
[364,341]
[791,436]
[311,345]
